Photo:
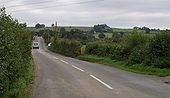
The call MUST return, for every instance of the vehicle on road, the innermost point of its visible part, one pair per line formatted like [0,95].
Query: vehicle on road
[35,45]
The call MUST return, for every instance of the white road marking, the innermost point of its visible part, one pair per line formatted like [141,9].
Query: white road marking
[78,68]
[101,82]
[64,62]
[108,86]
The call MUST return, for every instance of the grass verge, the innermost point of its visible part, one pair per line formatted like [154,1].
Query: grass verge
[22,88]
[137,68]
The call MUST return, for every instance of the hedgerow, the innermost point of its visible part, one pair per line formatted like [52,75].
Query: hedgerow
[15,57]
[136,48]
[66,47]
[158,51]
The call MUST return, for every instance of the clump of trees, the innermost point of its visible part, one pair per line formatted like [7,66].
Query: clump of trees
[76,34]
[101,28]
[15,57]
[37,26]
[145,29]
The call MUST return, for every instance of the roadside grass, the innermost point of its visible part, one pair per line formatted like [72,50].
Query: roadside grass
[137,68]
[22,88]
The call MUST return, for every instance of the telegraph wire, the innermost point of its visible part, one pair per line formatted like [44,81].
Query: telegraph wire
[7,1]
[61,5]
[33,3]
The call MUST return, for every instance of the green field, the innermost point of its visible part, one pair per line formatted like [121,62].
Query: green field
[67,28]
[86,29]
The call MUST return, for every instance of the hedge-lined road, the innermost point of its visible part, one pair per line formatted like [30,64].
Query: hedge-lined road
[63,77]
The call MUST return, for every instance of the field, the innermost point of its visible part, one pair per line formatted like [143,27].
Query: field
[86,29]
[67,28]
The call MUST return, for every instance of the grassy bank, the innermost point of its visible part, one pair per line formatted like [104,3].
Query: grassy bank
[22,88]
[137,68]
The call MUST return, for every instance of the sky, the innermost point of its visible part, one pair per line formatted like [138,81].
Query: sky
[115,13]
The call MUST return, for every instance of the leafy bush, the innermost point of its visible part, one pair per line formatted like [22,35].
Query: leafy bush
[15,50]
[133,40]
[67,47]
[136,48]
[99,48]
[137,56]
[158,52]
[102,48]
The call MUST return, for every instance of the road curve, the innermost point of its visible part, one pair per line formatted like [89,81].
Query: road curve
[58,76]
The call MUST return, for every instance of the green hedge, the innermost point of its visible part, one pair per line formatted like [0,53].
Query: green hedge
[136,48]
[158,51]
[15,58]
[66,47]
[105,49]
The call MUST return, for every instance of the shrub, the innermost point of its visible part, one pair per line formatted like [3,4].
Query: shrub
[118,52]
[15,50]
[99,48]
[133,40]
[103,48]
[131,47]
[66,47]
[158,52]
[137,56]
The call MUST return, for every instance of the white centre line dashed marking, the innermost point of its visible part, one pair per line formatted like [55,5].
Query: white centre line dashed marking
[101,82]
[108,86]
[78,68]
[64,62]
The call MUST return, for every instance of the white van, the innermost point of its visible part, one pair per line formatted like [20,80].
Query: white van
[35,45]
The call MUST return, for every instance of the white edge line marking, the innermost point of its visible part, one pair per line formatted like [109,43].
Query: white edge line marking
[78,68]
[56,58]
[101,82]
[64,62]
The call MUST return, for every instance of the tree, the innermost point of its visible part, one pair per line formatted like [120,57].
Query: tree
[101,28]
[52,25]
[136,28]
[39,26]
[146,29]
[102,35]
[24,25]
[42,25]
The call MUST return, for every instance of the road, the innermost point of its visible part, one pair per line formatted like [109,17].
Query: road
[57,76]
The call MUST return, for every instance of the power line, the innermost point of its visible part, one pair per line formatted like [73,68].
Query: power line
[61,5]
[7,1]
[34,3]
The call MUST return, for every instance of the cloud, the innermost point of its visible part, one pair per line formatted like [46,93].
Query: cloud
[118,13]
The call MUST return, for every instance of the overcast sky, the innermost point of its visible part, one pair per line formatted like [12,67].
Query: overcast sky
[115,13]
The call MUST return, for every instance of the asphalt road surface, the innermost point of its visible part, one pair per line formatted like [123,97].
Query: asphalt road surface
[58,76]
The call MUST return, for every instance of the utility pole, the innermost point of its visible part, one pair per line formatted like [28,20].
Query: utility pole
[56,31]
